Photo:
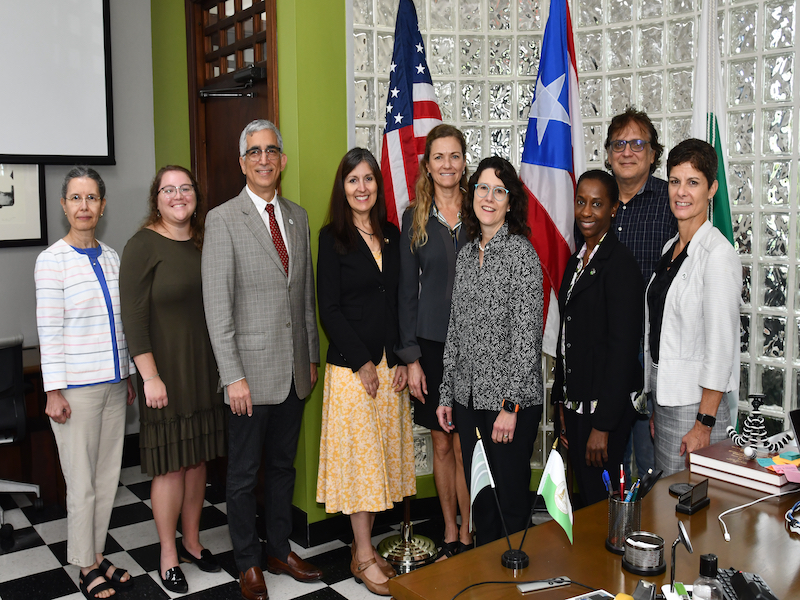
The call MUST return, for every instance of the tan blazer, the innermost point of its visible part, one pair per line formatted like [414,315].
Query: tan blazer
[262,324]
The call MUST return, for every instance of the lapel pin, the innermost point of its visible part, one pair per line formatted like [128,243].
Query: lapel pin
[385,240]
[592,272]
[291,222]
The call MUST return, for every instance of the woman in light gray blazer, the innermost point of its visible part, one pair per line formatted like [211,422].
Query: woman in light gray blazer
[692,316]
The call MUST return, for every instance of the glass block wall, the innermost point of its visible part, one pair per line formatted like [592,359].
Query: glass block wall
[483,56]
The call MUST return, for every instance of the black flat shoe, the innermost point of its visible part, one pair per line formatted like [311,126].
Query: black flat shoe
[206,562]
[174,581]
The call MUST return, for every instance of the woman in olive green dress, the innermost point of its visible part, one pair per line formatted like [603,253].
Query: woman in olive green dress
[181,412]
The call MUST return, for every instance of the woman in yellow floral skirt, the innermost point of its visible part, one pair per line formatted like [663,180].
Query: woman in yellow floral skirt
[366,458]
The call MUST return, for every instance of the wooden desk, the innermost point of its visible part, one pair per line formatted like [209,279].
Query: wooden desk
[760,543]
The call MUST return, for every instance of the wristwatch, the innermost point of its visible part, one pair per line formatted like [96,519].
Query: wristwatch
[510,406]
[706,420]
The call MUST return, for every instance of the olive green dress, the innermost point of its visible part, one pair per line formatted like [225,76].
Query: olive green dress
[162,312]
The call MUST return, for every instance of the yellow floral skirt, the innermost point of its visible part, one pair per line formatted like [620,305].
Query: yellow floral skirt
[366,451]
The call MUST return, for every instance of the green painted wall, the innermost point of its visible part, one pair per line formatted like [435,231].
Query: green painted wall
[170,87]
[312,79]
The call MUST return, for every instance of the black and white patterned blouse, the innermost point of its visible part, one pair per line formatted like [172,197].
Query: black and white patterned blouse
[494,340]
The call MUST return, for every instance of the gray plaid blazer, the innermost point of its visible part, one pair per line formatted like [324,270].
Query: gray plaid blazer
[262,324]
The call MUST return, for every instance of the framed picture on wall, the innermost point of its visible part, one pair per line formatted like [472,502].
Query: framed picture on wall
[23,219]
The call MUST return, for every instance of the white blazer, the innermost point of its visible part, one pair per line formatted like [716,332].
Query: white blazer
[699,345]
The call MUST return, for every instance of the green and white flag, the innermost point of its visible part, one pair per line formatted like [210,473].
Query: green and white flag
[553,488]
[480,476]
[708,114]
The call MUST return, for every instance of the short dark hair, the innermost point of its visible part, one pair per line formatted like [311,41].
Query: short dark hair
[608,181]
[701,155]
[516,217]
[340,215]
[640,118]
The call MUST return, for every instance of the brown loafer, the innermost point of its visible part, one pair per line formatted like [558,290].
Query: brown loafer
[295,566]
[252,585]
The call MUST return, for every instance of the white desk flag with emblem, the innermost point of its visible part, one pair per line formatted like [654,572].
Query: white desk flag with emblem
[553,488]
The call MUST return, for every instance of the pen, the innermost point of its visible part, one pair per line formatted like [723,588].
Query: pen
[632,492]
[621,482]
[607,481]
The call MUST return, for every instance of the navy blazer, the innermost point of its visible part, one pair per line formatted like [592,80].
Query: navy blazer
[358,301]
[603,321]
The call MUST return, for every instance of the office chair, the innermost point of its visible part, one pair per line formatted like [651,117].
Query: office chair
[12,416]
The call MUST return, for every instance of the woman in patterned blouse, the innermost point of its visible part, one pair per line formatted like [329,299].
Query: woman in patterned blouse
[492,358]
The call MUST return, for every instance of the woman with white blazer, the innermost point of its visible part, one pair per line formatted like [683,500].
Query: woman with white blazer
[692,316]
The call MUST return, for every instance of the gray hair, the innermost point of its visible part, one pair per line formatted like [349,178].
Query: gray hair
[256,126]
[83,171]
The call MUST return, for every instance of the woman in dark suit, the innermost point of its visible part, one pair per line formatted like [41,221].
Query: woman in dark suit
[432,236]
[597,368]
[366,460]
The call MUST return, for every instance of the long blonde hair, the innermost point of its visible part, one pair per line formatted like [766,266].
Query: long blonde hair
[424,188]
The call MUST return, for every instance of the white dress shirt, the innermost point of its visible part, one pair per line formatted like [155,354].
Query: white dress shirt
[261,205]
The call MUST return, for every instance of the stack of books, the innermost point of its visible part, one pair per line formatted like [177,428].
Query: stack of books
[726,461]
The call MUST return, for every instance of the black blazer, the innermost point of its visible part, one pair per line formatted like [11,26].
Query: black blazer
[358,301]
[603,321]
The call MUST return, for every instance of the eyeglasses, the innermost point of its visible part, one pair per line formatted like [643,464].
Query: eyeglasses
[254,154]
[498,193]
[77,200]
[636,145]
[170,191]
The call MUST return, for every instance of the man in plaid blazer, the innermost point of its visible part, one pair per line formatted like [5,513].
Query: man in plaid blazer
[258,289]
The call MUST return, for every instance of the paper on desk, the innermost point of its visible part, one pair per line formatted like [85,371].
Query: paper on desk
[790,455]
[790,470]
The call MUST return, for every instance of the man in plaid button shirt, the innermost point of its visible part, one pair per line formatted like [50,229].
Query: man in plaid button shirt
[643,223]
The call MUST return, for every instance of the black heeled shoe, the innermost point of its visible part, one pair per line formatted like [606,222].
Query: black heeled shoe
[206,562]
[174,581]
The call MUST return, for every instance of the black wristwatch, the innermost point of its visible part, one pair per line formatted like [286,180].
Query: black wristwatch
[510,406]
[706,420]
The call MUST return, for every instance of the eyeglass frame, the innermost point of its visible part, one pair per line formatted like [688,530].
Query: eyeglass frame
[626,143]
[91,200]
[254,154]
[179,190]
[492,190]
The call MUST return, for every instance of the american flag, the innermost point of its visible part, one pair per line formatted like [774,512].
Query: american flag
[553,159]
[411,112]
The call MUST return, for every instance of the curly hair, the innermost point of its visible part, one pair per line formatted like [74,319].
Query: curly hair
[639,118]
[424,188]
[340,215]
[197,224]
[517,215]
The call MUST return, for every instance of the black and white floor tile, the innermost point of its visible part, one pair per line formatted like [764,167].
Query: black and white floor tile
[33,564]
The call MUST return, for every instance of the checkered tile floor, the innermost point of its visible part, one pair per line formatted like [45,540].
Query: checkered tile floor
[33,566]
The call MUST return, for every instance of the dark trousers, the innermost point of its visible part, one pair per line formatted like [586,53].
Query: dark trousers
[510,465]
[272,433]
[590,479]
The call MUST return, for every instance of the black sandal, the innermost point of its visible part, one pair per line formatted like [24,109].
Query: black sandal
[449,549]
[91,576]
[116,577]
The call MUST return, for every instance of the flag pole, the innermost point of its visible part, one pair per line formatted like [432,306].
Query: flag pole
[533,507]
[512,558]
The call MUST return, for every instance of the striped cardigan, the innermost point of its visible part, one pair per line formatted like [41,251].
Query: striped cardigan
[72,318]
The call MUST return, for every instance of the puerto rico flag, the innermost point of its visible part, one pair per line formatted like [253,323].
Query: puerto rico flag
[553,159]
[411,112]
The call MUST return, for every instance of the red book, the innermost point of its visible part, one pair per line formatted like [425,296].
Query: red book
[726,461]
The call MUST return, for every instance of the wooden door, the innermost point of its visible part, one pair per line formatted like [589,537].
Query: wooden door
[228,39]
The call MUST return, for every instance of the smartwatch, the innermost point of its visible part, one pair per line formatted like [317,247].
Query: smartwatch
[706,420]
[510,406]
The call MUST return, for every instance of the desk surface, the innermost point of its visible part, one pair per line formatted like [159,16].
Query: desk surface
[760,543]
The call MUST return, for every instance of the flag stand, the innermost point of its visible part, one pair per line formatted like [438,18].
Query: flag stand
[406,551]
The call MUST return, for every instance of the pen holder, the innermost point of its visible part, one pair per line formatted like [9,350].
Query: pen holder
[623,519]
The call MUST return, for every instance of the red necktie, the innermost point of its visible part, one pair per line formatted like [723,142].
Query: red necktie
[277,238]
